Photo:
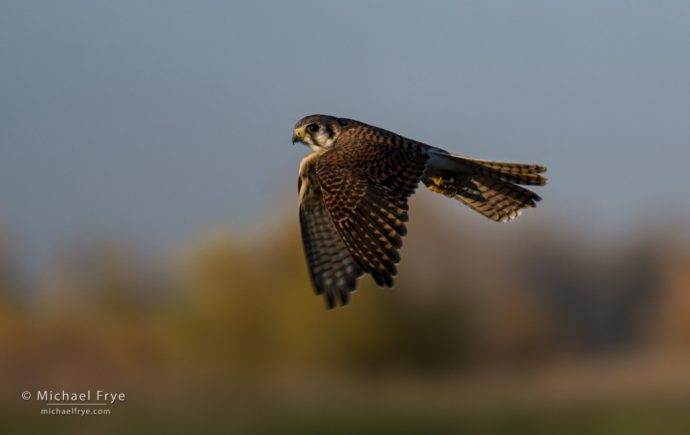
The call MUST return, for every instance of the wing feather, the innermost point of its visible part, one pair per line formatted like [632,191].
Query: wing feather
[366,181]
[332,269]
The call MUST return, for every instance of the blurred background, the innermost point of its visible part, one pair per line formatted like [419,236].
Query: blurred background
[149,239]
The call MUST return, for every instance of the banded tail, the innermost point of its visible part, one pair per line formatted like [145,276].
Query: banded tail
[491,188]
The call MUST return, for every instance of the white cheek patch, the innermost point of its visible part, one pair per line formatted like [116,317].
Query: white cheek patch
[307,140]
[324,140]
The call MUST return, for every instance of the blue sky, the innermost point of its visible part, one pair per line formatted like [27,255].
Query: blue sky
[153,119]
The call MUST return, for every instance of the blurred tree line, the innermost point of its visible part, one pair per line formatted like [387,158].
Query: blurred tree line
[469,294]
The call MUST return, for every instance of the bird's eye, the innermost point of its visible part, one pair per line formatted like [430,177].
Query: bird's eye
[313,128]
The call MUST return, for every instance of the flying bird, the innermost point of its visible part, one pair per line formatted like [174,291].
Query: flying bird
[353,192]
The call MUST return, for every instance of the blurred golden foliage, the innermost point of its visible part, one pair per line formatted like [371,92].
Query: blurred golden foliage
[480,314]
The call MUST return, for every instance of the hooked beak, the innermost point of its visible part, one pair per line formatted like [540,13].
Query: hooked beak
[297,135]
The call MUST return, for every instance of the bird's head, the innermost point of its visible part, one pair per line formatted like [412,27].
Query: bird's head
[317,131]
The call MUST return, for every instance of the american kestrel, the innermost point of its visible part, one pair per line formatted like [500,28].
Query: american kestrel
[353,191]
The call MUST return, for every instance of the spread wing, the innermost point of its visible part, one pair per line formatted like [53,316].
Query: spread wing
[366,180]
[332,269]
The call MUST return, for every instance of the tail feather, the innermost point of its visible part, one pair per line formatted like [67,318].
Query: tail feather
[519,173]
[491,188]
